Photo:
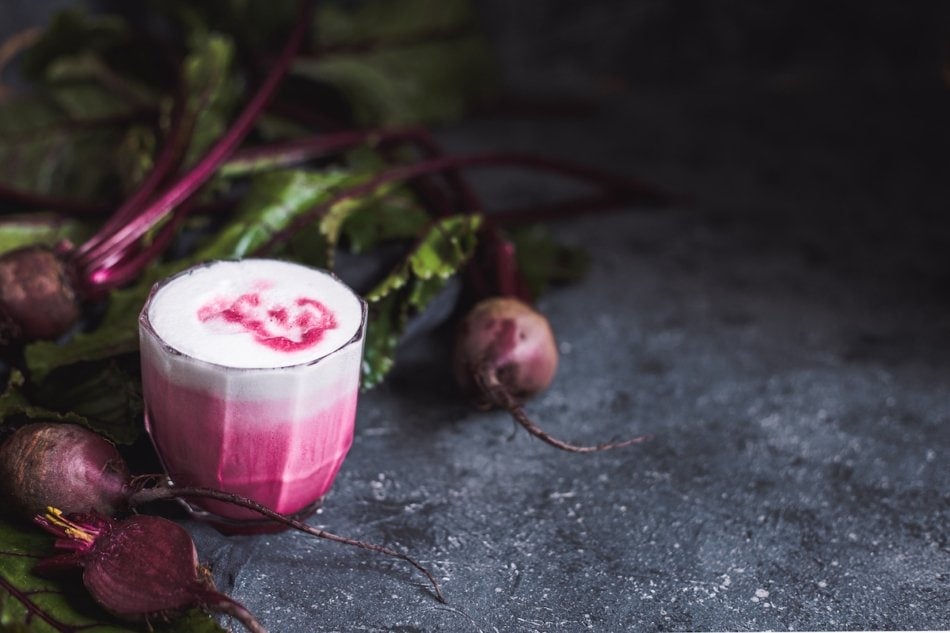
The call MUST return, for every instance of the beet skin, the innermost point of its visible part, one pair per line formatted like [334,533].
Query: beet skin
[38,299]
[508,341]
[138,568]
[61,465]
[504,353]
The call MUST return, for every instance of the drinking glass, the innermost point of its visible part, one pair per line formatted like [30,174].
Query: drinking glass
[275,434]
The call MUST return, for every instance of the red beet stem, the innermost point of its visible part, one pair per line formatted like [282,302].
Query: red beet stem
[574,207]
[179,131]
[304,115]
[126,270]
[430,192]
[162,492]
[497,394]
[498,256]
[469,200]
[301,150]
[508,280]
[632,190]
[503,269]
[109,250]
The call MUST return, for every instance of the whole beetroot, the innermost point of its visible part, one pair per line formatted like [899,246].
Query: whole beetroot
[503,340]
[62,465]
[504,353]
[38,298]
[138,568]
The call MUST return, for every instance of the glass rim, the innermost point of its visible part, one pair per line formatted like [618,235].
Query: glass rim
[146,324]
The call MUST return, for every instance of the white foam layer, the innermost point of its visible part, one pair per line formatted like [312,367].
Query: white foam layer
[255,313]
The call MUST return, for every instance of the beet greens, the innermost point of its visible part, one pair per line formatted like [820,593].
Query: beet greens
[87,271]
[315,161]
[59,465]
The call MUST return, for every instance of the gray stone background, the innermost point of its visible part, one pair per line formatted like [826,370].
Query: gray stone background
[783,334]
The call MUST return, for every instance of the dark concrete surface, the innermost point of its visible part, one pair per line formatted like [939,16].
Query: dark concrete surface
[784,335]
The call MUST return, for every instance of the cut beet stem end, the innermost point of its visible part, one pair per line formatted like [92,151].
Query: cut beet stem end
[136,568]
[496,394]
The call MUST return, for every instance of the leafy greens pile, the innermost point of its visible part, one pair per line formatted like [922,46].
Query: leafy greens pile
[99,97]
[86,133]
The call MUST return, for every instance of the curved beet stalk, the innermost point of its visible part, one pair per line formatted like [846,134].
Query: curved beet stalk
[176,141]
[497,394]
[505,353]
[137,568]
[95,261]
[301,150]
[72,468]
[627,190]
[173,492]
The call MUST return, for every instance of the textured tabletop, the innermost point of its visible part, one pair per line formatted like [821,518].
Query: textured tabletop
[783,333]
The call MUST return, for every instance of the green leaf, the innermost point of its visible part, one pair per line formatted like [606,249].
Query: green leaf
[64,137]
[135,155]
[253,24]
[211,94]
[277,199]
[47,151]
[39,228]
[212,90]
[385,324]
[438,255]
[73,32]
[87,401]
[83,85]
[75,136]
[395,216]
[544,262]
[33,604]
[401,62]
[274,201]
[107,395]
[394,213]
[15,406]
[117,336]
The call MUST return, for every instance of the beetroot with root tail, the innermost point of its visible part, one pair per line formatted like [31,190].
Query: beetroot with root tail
[139,568]
[67,466]
[62,465]
[504,353]
[38,298]
[504,340]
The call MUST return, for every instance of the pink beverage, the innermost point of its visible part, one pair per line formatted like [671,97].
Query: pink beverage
[250,372]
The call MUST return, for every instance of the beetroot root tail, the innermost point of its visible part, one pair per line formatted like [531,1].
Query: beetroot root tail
[161,492]
[497,394]
[518,413]
[223,604]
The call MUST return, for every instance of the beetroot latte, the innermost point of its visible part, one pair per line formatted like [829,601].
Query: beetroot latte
[250,372]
